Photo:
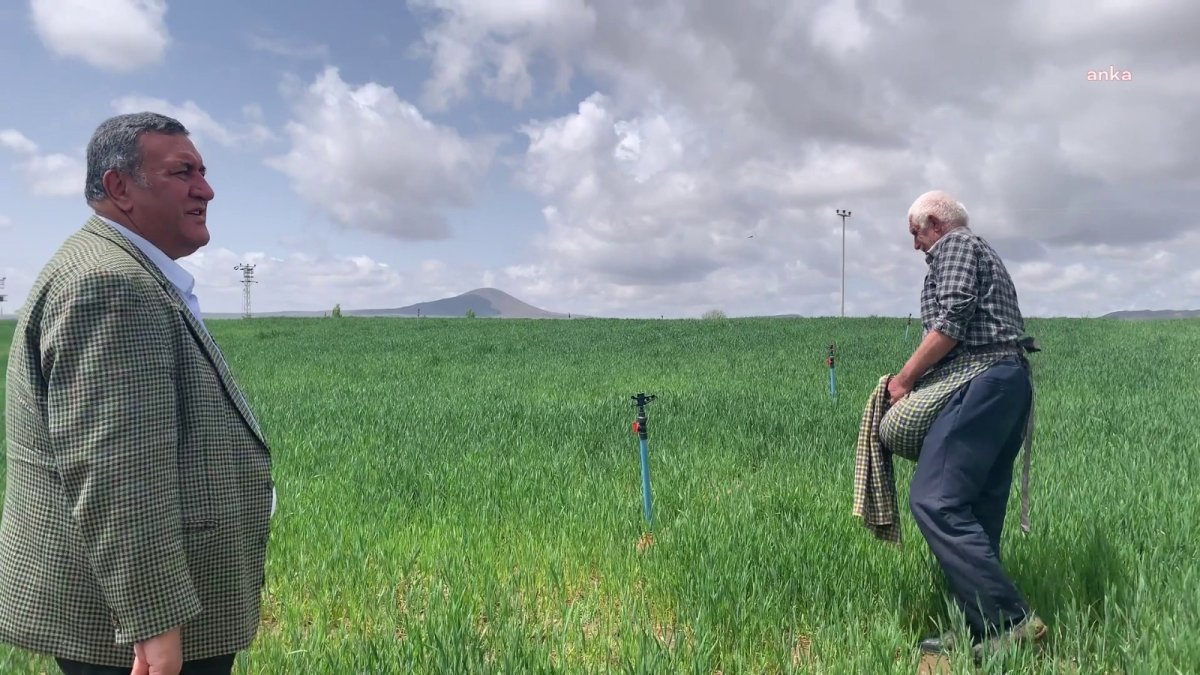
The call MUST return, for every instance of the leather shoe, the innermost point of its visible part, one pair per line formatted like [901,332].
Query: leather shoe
[942,644]
[1030,630]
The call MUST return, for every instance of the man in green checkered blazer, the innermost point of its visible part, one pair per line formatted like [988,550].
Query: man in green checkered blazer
[139,494]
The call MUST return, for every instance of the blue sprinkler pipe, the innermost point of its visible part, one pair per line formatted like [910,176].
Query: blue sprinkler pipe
[639,428]
[832,377]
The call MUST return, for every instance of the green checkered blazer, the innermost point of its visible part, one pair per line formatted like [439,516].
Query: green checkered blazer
[138,491]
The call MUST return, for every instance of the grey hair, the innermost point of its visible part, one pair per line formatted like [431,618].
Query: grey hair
[939,204]
[114,145]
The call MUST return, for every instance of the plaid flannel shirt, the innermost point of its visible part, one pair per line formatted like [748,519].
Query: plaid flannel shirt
[968,294]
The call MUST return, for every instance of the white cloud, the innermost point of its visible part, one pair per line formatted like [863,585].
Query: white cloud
[1055,22]
[657,202]
[199,122]
[713,122]
[837,28]
[52,175]
[5,222]
[494,43]
[371,161]
[297,281]
[55,175]
[1051,278]
[287,48]
[114,35]
[17,142]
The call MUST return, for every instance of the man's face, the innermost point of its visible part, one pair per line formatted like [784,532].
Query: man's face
[923,240]
[171,209]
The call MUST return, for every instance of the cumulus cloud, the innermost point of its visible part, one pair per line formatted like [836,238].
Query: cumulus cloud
[113,35]
[615,192]
[46,175]
[656,202]
[495,45]
[373,162]
[199,122]
[706,166]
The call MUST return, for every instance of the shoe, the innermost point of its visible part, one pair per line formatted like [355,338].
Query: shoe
[942,644]
[1030,630]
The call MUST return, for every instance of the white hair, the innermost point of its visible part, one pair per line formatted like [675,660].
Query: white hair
[937,203]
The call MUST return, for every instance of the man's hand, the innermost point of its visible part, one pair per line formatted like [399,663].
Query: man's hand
[160,655]
[898,387]
[929,352]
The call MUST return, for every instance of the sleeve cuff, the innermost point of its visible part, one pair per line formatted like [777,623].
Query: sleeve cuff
[180,607]
[951,329]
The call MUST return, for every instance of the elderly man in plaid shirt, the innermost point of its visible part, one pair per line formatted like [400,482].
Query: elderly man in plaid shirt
[960,489]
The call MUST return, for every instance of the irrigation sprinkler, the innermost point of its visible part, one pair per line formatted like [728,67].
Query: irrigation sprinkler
[829,361]
[639,428]
[907,326]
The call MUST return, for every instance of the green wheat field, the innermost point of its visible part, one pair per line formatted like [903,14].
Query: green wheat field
[464,496]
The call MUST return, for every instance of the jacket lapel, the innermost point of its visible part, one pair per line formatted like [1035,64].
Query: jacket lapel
[98,227]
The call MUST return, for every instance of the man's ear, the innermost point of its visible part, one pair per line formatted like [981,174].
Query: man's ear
[117,187]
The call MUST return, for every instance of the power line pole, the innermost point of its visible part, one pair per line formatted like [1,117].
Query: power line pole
[844,214]
[247,279]
[2,296]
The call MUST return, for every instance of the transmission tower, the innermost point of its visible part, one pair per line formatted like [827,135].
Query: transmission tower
[2,296]
[247,279]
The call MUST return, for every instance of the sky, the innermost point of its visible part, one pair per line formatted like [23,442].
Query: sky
[623,158]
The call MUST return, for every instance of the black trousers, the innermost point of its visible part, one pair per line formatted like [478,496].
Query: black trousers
[959,492]
[217,665]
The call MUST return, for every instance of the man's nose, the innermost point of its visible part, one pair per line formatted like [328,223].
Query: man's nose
[202,190]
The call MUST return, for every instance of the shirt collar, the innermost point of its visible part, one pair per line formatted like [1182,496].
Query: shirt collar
[173,271]
[932,253]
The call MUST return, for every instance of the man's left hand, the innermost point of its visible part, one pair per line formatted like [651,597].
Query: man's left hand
[898,388]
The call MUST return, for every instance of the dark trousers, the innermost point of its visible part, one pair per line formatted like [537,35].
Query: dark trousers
[217,665]
[959,492]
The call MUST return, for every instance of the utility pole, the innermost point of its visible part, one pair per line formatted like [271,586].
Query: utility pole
[2,296]
[844,214]
[247,279]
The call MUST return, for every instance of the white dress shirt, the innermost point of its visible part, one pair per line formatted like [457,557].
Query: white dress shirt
[180,278]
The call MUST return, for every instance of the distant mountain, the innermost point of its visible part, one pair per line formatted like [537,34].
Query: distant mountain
[1153,314]
[485,302]
[294,314]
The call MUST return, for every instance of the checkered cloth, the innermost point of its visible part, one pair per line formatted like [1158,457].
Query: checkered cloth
[904,426]
[900,429]
[874,485]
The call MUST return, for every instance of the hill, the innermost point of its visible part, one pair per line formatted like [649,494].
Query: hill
[485,302]
[1153,314]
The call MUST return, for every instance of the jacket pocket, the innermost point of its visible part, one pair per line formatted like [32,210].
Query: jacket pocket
[196,491]
[20,453]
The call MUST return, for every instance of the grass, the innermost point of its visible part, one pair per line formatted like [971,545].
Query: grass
[464,496]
